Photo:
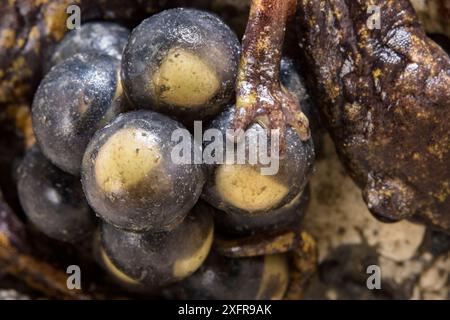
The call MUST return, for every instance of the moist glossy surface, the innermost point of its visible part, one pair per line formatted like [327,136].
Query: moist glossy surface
[76,98]
[158,258]
[130,178]
[264,277]
[98,37]
[181,62]
[242,188]
[53,200]
[287,216]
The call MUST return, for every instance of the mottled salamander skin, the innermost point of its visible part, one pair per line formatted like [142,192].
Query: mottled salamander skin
[435,15]
[385,97]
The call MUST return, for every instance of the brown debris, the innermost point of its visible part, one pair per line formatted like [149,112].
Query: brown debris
[303,267]
[29,30]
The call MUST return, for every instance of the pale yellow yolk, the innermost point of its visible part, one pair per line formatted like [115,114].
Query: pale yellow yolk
[246,188]
[125,159]
[185,267]
[184,79]
[293,201]
[115,271]
[275,278]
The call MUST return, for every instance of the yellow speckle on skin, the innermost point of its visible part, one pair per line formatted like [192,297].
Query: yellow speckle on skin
[7,38]
[125,159]
[445,192]
[353,110]
[436,150]
[422,115]
[262,45]
[115,271]
[334,91]
[244,187]
[184,79]
[377,73]
[276,271]
[364,35]
[246,101]
[185,267]
[442,197]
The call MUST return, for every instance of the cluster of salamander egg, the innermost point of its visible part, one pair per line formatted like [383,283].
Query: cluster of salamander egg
[103,171]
